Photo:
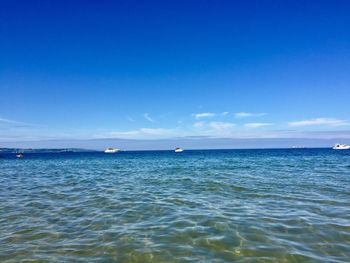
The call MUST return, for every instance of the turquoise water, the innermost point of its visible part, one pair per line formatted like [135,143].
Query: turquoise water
[197,206]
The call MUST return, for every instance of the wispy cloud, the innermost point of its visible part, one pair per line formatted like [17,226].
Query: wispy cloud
[156,131]
[217,125]
[214,125]
[148,117]
[319,122]
[140,133]
[130,119]
[3,120]
[209,114]
[199,124]
[220,129]
[14,123]
[254,125]
[248,114]
[203,115]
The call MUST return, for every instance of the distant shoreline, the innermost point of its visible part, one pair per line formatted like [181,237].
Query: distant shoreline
[44,150]
[77,150]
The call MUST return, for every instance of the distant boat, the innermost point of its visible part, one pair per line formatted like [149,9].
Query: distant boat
[112,150]
[179,150]
[340,146]
[19,155]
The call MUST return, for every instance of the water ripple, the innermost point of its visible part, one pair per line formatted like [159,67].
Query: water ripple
[207,206]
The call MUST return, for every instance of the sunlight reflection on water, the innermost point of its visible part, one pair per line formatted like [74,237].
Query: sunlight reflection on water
[213,206]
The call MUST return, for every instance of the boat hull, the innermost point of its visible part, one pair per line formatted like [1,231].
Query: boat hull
[112,150]
[341,148]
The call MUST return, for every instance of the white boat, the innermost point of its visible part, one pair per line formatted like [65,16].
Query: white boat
[19,155]
[340,146]
[179,150]
[112,150]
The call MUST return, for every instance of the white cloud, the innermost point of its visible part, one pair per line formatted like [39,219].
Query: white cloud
[203,115]
[214,128]
[130,119]
[319,122]
[221,125]
[140,133]
[248,114]
[254,125]
[7,121]
[199,124]
[147,117]
[156,131]
[224,113]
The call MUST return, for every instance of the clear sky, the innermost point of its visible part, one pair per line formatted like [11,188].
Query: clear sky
[165,69]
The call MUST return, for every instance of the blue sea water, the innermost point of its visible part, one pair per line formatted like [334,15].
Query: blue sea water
[198,206]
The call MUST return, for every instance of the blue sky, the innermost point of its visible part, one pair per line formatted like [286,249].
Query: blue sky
[171,69]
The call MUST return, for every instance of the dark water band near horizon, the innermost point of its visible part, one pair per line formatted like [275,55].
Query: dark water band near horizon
[158,206]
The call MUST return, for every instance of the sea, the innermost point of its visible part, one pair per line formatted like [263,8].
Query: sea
[267,205]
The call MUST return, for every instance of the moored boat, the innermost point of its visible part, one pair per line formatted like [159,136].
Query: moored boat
[179,150]
[112,150]
[340,146]
[19,155]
